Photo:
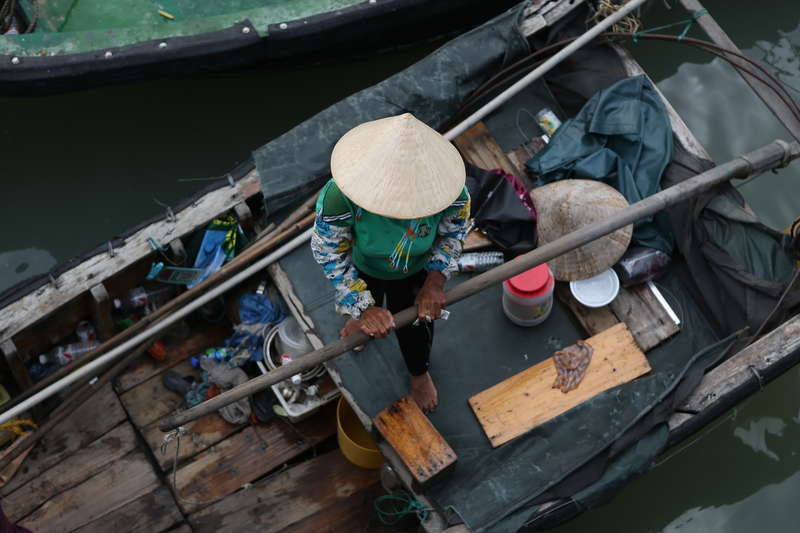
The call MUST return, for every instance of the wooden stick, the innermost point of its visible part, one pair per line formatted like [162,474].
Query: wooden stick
[773,155]
[235,265]
[70,405]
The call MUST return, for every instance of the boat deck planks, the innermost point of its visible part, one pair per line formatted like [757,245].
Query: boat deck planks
[94,419]
[528,399]
[636,306]
[203,433]
[72,471]
[241,458]
[147,367]
[411,434]
[155,511]
[123,481]
[151,400]
[277,502]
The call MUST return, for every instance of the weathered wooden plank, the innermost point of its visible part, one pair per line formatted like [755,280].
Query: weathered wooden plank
[40,303]
[542,13]
[14,362]
[101,312]
[125,480]
[436,521]
[646,318]
[75,469]
[528,399]
[479,148]
[147,367]
[150,513]
[202,434]
[353,513]
[740,368]
[8,472]
[593,319]
[420,446]
[88,423]
[286,498]
[151,400]
[225,467]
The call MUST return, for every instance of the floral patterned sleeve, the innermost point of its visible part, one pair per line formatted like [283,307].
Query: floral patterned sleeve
[451,232]
[331,243]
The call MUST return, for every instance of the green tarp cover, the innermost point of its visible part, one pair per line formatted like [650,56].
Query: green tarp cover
[623,137]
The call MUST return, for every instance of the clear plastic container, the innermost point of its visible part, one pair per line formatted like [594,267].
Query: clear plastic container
[528,297]
[292,340]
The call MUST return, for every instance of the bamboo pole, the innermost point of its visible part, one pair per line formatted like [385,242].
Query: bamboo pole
[775,154]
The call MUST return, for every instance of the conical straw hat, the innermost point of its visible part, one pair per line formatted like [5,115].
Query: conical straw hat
[398,167]
[568,205]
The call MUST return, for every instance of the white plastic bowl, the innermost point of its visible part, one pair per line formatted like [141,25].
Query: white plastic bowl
[596,291]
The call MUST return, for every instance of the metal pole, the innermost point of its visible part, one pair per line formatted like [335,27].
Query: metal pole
[544,68]
[775,154]
[87,371]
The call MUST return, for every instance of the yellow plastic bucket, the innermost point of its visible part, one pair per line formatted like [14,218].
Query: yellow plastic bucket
[354,441]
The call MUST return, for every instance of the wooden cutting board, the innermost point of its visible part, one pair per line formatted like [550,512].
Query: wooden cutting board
[528,399]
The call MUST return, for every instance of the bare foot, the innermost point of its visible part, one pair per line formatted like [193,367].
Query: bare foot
[424,392]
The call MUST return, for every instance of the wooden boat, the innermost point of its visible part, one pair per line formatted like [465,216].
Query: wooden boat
[105,468]
[58,46]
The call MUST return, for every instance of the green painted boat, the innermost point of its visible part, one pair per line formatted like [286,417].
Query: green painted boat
[58,45]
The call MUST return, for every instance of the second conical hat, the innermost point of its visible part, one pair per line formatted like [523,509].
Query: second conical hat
[569,205]
[398,167]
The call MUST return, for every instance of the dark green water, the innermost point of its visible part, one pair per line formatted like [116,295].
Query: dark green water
[77,168]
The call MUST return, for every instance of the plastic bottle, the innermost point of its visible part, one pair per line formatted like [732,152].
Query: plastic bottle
[140,298]
[85,331]
[479,261]
[64,355]
[42,368]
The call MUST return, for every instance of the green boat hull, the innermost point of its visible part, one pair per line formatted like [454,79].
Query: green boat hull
[80,43]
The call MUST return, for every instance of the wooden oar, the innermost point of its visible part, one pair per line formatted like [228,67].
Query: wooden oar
[775,154]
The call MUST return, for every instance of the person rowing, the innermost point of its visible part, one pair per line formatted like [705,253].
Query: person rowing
[389,229]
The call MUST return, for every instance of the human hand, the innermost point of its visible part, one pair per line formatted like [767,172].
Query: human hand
[431,299]
[374,321]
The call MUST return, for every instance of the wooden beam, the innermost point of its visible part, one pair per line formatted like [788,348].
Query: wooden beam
[101,312]
[18,370]
[178,251]
[750,368]
[245,216]
[715,32]
[420,446]
[42,302]
[523,401]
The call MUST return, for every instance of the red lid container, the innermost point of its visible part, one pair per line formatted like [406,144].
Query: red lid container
[531,283]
